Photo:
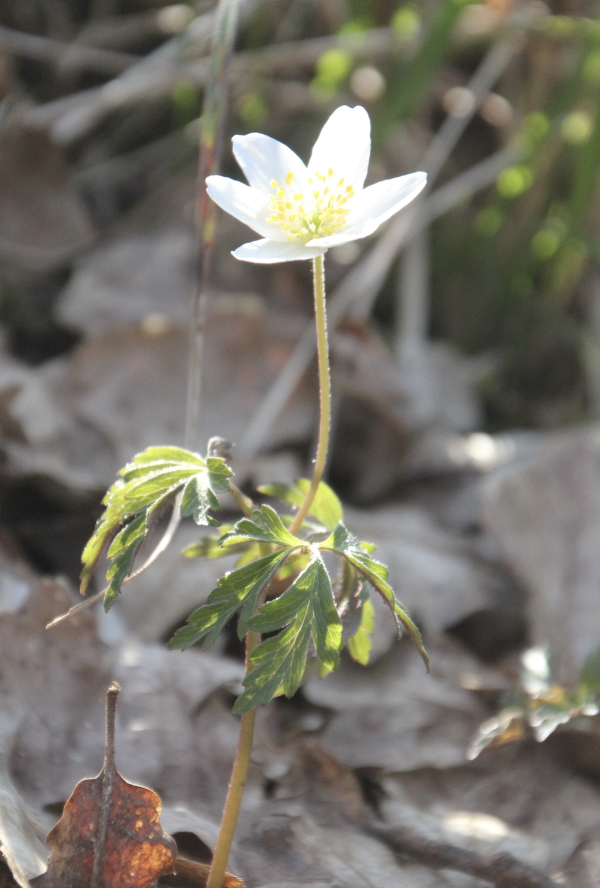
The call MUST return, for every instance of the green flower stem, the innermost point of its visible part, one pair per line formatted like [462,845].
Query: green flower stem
[325,392]
[242,760]
[237,784]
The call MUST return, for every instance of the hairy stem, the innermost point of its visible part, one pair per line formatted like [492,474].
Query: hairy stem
[324,389]
[236,786]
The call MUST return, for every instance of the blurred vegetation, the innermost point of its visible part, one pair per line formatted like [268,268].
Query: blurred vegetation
[513,268]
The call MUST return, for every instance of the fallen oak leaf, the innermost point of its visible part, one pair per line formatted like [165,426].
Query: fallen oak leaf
[109,835]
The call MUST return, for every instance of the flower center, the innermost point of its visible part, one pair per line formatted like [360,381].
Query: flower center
[319,211]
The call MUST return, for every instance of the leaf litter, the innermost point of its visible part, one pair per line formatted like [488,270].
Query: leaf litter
[109,833]
[385,738]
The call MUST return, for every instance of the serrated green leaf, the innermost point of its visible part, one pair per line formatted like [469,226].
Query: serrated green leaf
[360,644]
[308,609]
[326,507]
[122,551]
[265,526]
[218,474]
[167,454]
[236,590]
[348,546]
[198,499]
[589,677]
[149,484]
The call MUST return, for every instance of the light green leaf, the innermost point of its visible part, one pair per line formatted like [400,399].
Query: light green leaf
[149,484]
[265,526]
[360,644]
[210,546]
[589,677]
[348,546]
[308,610]
[326,507]
[238,589]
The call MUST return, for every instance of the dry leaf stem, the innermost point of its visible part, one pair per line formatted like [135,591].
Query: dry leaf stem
[108,776]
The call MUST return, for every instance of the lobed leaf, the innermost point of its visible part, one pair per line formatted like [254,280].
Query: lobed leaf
[237,590]
[345,544]
[308,610]
[360,644]
[265,526]
[326,507]
[149,484]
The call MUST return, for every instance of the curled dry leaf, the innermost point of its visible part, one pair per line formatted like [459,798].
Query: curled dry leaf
[109,834]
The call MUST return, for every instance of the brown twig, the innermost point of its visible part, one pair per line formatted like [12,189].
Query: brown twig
[501,870]
[56,52]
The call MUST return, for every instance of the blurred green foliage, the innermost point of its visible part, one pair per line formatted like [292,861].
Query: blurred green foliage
[511,265]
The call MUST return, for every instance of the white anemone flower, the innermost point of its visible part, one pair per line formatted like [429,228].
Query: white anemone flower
[300,211]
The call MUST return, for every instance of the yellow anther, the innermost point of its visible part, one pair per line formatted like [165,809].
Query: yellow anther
[273,183]
[340,183]
[289,178]
[330,172]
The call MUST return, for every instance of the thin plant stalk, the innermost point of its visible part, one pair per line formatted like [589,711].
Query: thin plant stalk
[324,392]
[237,784]
[211,138]
[242,760]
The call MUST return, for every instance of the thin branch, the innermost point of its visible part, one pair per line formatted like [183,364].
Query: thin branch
[501,870]
[82,58]
[211,141]
[160,548]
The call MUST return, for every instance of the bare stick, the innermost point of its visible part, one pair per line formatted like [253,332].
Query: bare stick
[502,870]
[211,138]
[82,58]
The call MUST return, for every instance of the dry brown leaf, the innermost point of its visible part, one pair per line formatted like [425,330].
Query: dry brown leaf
[86,414]
[109,834]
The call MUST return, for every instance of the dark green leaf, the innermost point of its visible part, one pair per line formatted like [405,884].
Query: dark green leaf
[238,589]
[308,609]
[326,507]
[348,546]
[122,552]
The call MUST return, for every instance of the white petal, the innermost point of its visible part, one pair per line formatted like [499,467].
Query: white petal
[344,146]
[380,201]
[263,159]
[268,251]
[245,203]
[374,206]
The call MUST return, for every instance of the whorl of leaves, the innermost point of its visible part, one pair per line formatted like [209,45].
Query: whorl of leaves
[150,484]
[307,611]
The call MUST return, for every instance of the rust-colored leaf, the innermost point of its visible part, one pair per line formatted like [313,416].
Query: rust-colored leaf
[109,835]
